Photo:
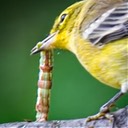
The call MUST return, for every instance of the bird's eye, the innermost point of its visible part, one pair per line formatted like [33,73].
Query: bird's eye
[63,17]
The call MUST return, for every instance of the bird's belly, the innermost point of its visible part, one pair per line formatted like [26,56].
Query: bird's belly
[109,65]
[112,71]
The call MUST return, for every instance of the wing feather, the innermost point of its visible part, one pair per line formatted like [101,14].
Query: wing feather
[110,26]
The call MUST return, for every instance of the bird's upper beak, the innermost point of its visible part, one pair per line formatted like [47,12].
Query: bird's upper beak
[45,44]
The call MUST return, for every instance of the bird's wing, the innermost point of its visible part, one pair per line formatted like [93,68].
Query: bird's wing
[111,25]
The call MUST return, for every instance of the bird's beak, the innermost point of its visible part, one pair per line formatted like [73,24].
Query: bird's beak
[45,44]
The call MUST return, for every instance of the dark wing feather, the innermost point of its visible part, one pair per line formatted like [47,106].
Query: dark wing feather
[110,26]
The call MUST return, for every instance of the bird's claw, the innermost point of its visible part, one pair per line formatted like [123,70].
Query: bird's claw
[100,115]
[104,112]
[95,117]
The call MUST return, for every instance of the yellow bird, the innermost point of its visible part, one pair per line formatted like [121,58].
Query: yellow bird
[96,32]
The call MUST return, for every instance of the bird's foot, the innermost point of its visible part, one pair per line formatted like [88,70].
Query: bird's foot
[100,115]
[103,113]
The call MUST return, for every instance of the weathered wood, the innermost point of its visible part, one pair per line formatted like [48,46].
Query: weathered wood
[120,121]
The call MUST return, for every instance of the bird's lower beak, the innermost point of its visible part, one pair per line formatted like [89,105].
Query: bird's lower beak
[45,44]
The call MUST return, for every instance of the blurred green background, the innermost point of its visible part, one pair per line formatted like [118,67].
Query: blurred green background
[75,93]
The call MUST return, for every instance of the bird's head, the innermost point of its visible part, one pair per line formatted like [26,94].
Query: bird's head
[60,33]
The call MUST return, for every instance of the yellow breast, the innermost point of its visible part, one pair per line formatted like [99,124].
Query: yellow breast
[108,64]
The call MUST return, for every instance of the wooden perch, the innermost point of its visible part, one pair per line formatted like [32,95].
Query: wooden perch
[120,121]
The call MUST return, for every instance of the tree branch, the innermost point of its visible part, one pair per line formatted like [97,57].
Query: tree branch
[120,121]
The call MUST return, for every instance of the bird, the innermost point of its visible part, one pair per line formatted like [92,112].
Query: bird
[96,31]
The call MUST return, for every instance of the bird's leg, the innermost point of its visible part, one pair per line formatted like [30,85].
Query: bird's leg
[105,108]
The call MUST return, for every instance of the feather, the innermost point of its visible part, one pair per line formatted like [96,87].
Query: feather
[111,25]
